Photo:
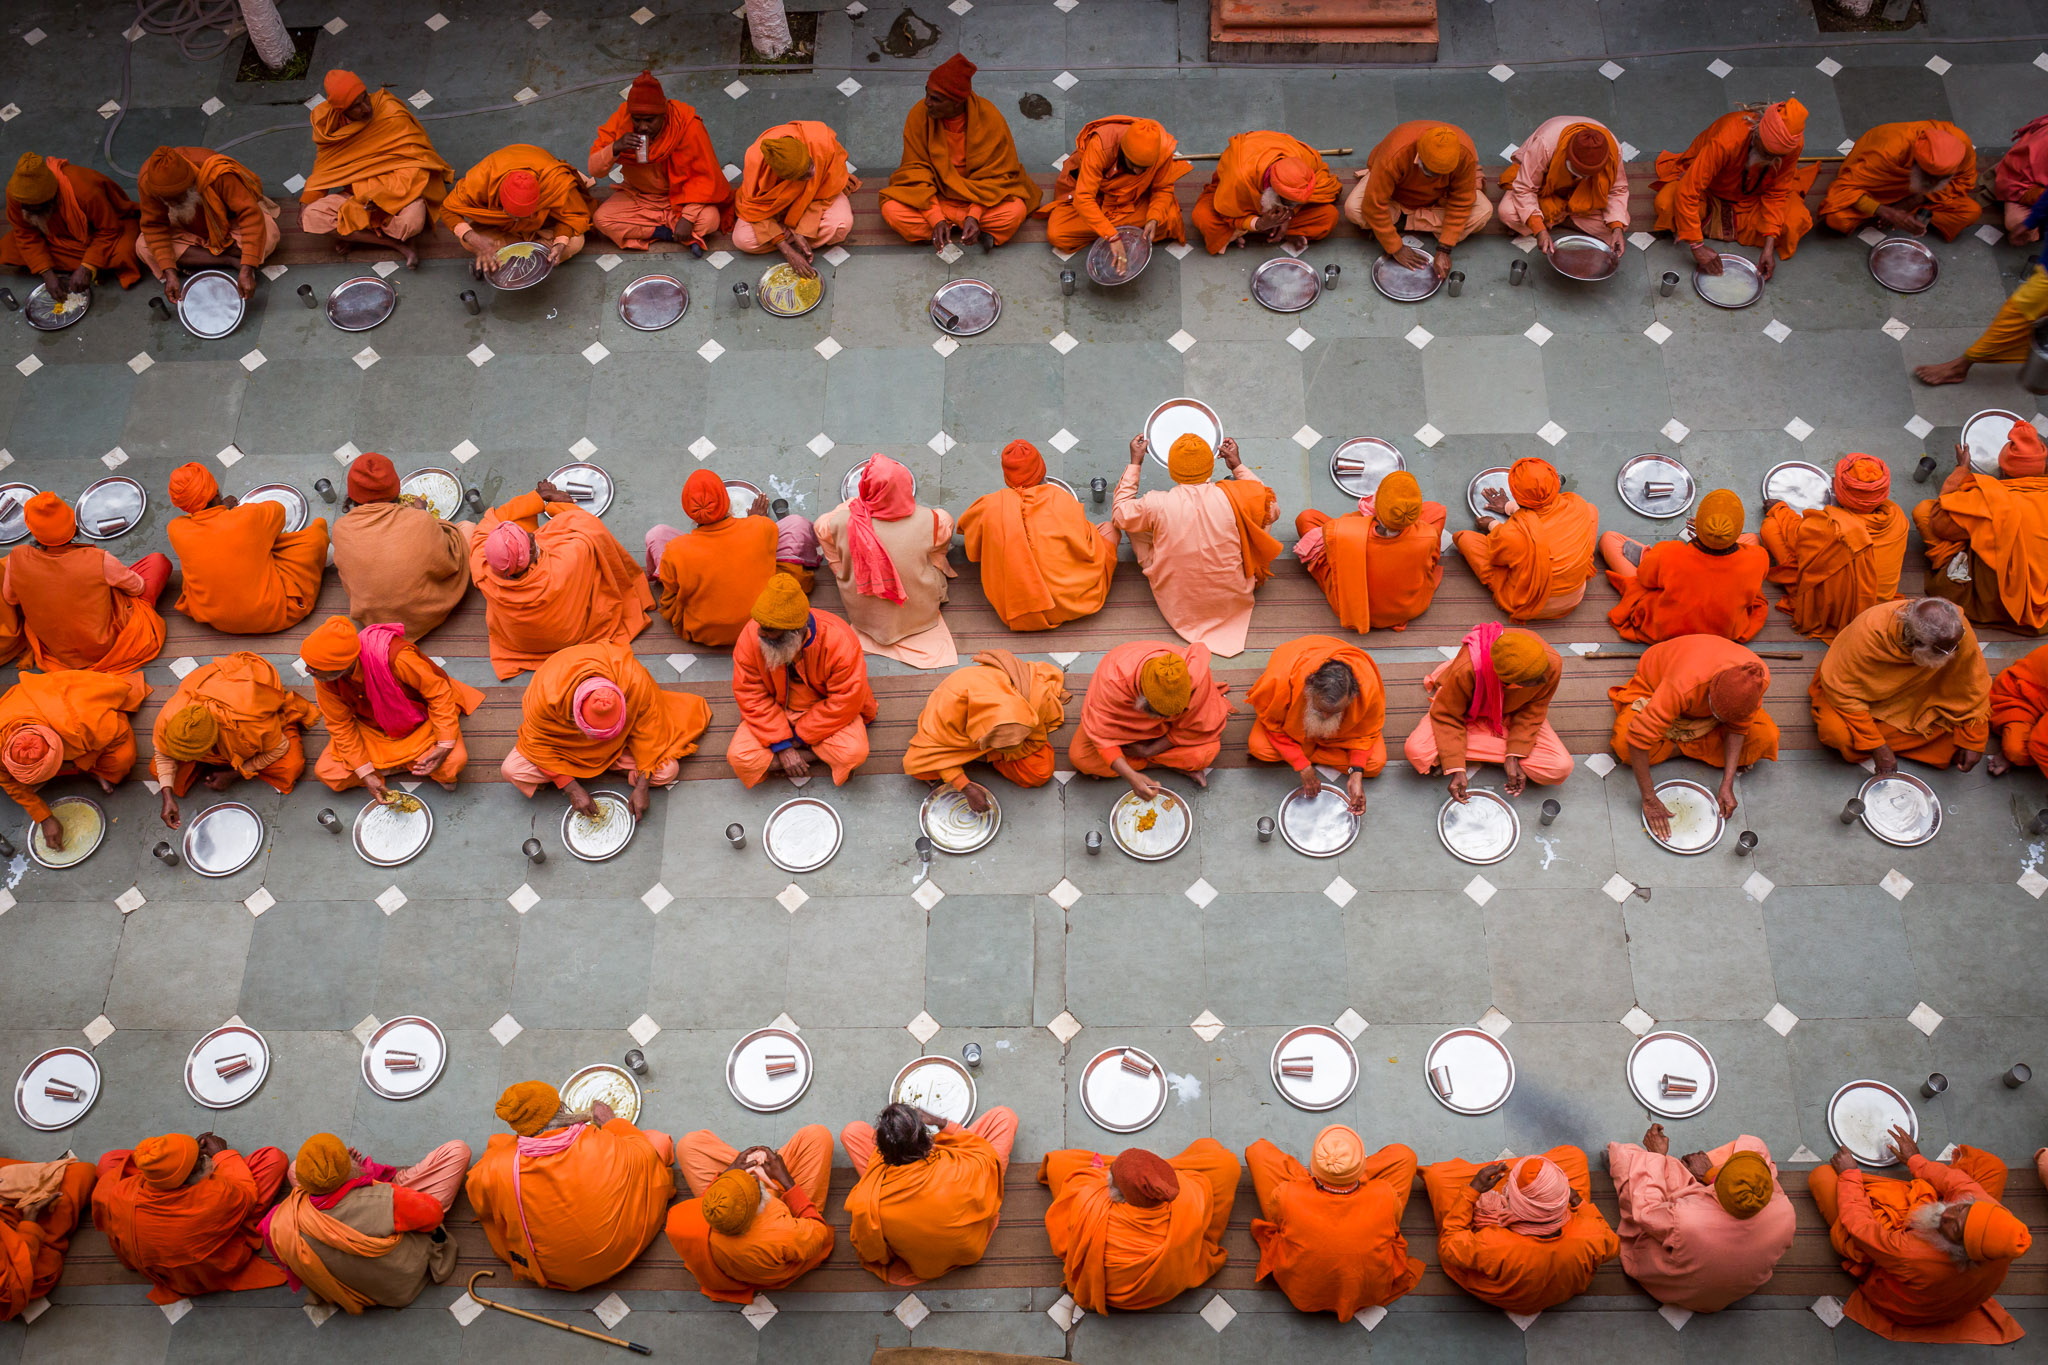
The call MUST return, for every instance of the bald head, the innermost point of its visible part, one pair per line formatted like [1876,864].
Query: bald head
[1932,629]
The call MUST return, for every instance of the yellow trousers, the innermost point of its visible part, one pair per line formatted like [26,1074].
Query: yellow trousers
[2012,331]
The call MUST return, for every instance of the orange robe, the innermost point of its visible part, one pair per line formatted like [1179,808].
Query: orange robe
[93,224]
[582,588]
[1280,696]
[681,173]
[81,608]
[1525,707]
[1111,718]
[260,720]
[1394,178]
[1333,1252]
[200,1238]
[2019,705]
[565,203]
[1092,198]
[1876,173]
[966,165]
[1709,190]
[1042,563]
[236,218]
[662,727]
[1663,709]
[1834,563]
[382,165]
[915,1222]
[1680,588]
[773,205]
[1511,1270]
[575,1217]
[243,572]
[788,1236]
[1230,201]
[1118,1255]
[1910,1289]
[997,709]
[2000,527]
[1376,581]
[357,746]
[32,1249]
[1537,562]
[711,576]
[91,714]
[1868,692]
[821,699]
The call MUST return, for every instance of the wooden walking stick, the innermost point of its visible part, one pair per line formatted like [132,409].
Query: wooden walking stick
[635,1347]
[1213,156]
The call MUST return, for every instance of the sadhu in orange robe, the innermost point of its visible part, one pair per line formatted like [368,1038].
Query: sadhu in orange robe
[2019,710]
[781,1240]
[1665,709]
[1838,560]
[1868,692]
[1710,190]
[1987,538]
[1113,723]
[84,718]
[820,699]
[997,710]
[1279,700]
[1330,1233]
[89,222]
[259,724]
[562,208]
[1537,562]
[1510,1248]
[1042,563]
[1711,584]
[1378,566]
[1397,188]
[814,207]
[40,1204]
[388,709]
[243,572]
[1253,164]
[571,584]
[660,729]
[81,607]
[958,168]
[236,219]
[190,1238]
[674,182]
[1121,174]
[1460,732]
[711,574]
[1879,172]
[381,174]
[1159,1234]
[914,1222]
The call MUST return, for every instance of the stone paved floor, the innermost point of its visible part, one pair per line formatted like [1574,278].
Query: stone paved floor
[1254,935]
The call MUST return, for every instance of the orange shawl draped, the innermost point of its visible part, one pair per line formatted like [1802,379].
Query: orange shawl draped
[660,725]
[91,715]
[2019,694]
[997,706]
[1546,549]
[1834,563]
[243,572]
[1564,196]
[1681,589]
[680,155]
[1104,196]
[196,1239]
[712,574]
[1042,563]
[578,1216]
[32,1249]
[1869,675]
[251,704]
[1240,176]
[763,198]
[1111,719]
[989,171]
[295,1220]
[1118,1255]
[73,618]
[94,223]
[2005,522]
[232,208]
[563,199]
[1281,693]
[1252,504]
[581,587]
[384,163]
[931,1216]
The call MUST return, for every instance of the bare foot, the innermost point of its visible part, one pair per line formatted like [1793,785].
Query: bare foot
[1199,779]
[1948,372]
[405,249]
[1996,764]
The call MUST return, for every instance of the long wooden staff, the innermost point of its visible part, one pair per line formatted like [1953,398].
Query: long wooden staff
[1211,156]
[633,1346]
[1789,654]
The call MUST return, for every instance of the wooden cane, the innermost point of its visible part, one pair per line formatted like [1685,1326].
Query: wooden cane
[1212,156]
[1792,655]
[633,1346]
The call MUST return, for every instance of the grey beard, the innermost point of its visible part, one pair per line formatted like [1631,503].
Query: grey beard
[781,653]
[1926,1220]
[1319,725]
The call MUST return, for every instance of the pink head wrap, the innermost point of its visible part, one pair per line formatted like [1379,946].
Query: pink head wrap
[885,493]
[1534,1198]
[796,542]
[599,707]
[1489,698]
[508,549]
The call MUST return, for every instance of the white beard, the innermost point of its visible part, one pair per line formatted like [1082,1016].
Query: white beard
[1318,725]
[1270,202]
[781,654]
[1926,1220]
[184,212]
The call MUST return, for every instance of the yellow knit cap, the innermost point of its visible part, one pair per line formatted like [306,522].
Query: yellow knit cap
[33,182]
[1164,681]
[782,604]
[527,1107]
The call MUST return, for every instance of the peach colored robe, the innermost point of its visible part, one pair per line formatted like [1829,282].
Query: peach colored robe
[912,632]
[1187,541]
[1677,1241]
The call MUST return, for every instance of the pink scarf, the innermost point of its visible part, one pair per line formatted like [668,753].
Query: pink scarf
[396,714]
[1489,699]
[1537,1209]
[884,493]
[547,1144]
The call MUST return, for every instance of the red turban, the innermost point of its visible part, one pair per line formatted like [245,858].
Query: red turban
[1532,483]
[1023,466]
[332,646]
[519,194]
[599,707]
[646,95]
[1292,179]
[33,754]
[705,498]
[166,175]
[1587,151]
[1862,483]
[952,78]
[192,487]
[50,519]
[1937,151]
[372,478]
[1782,129]
[1146,1180]
[2024,455]
[164,1162]
[1736,692]
[344,88]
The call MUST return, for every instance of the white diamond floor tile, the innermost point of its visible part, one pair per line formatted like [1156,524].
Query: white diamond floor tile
[945,346]
[1551,432]
[792,897]
[524,899]
[1777,331]
[828,348]
[366,357]
[2033,883]
[1896,884]
[819,444]
[1065,894]
[1066,80]
[1494,1022]
[1658,333]
[1502,72]
[481,355]
[1218,1313]
[1300,339]
[736,89]
[643,1029]
[1827,66]
[1063,343]
[259,900]
[1619,888]
[1207,1026]
[1798,429]
[1524,1320]
[912,1311]
[1602,764]
[1719,68]
[1480,890]
[1781,1020]
[1918,427]
[1828,1309]
[596,351]
[1180,341]
[131,900]
[1340,892]
[1758,887]
[1611,70]
[950,253]
[1201,893]
[1939,65]
[1178,250]
[1428,434]
[254,361]
[1351,1023]
[1636,1021]
[1925,1018]
[506,1029]
[1419,336]
[1538,333]
[611,1311]
[176,1310]
[1895,329]
[928,894]
[391,900]
[838,255]
[99,1030]
[758,1312]
[923,1028]
[1064,1027]
[657,898]
[1307,437]
[1065,1313]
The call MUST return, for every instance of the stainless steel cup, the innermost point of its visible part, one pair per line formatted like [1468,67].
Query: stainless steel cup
[469,301]
[325,488]
[2018,1076]
[1852,812]
[1933,1085]
[742,296]
[1455,282]
[1551,810]
[534,854]
[1266,828]
[1517,271]
[329,821]
[1066,282]
[1668,286]
[164,854]
[1093,842]
[736,835]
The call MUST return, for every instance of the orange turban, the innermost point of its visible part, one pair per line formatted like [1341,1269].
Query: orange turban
[952,79]
[1862,483]
[166,1161]
[1532,483]
[1292,179]
[1991,1233]
[1146,1180]
[1744,1185]
[166,175]
[2024,455]
[1337,1157]
[1023,466]
[372,478]
[1397,503]
[705,498]
[189,735]
[787,157]
[192,487]
[1719,520]
[599,708]
[782,604]
[1438,149]
[1587,151]
[50,519]
[527,1107]
[33,754]
[33,182]
[1165,683]
[324,1164]
[1190,460]
[519,194]
[1782,129]
[646,97]
[344,88]
[1737,692]
[1142,143]
[1519,658]
[729,1202]
[1937,151]
[332,646]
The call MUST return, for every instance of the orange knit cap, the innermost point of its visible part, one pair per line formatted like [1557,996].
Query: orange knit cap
[1292,179]
[730,1201]
[333,646]
[1737,692]
[1023,466]
[33,182]
[33,754]
[372,478]
[1438,149]
[1719,520]
[1519,658]
[50,519]
[1782,129]
[167,174]
[705,499]
[343,88]
[1991,1233]
[1337,1157]
[1142,143]
[1862,483]
[1397,502]
[164,1162]
[1189,459]
[192,487]
[2024,456]
[1937,151]
[519,194]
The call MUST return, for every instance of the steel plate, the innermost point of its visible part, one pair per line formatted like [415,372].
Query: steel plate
[1737,286]
[1901,809]
[1117,1100]
[1172,825]
[110,508]
[1335,1062]
[746,1070]
[1480,1071]
[1696,820]
[1862,1115]
[972,305]
[439,488]
[357,305]
[85,826]
[600,838]
[586,485]
[409,1033]
[1637,475]
[849,487]
[1578,256]
[603,1081]
[801,834]
[653,302]
[1483,829]
[1496,477]
[937,1085]
[521,265]
[742,495]
[212,306]
[787,294]
[1138,254]
[1286,284]
[1984,435]
[60,1066]
[297,511]
[388,835]
[203,1081]
[47,313]
[1402,284]
[1662,1053]
[1358,465]
[13,498]
[1055,481]
[953,826]
[1904,265]
[1799,485]
[1178,417]
[222,840]
[1322,826]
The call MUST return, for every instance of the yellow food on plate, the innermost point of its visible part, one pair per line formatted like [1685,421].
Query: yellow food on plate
[1147,820]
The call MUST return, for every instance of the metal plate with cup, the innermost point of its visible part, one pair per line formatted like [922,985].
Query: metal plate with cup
[84,822]
[13,502]
[1658,486]
[404,1057]
[358,304]
[606,1083]
[1358,465]
[937,1085]
[1151,831]
[787,294]
[1123,1090]
[1475,494]
[965,308]
[801,834]
[392,833]
[1672,1074]
[1178,417]
[1799,485]
[953,826]
[653,302]
[1861,1117]
[1055,481]
[110,508]
[1579,256]
[48,313]
[1482,829]
[601,837]
[1904,265]
[1696,820]
[1407,284]
[1319,826]
[211,305]
[222,840]
[57,1089]
[849,487]
[1900,809]
[1738,285]
[768,1070]
[743,495]
[439,488]
[1469,1071]
[1314,1067]
[1985,434]
[227,1066]
[1286,284]
[586,485]
[297,511]
[521,265]
[1137,255]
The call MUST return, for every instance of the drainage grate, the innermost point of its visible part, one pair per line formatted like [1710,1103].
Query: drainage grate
[1875,16]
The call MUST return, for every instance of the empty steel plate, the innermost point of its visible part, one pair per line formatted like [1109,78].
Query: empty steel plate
[13,499]
[1475,496]
[1861,1117]
[965,308]
[222,840]
[787,294]
[801,834]
[1799,485]
[1166,833]
[586,485]
[1655,485]
[1578,256]
[1904,265]
[1358,465]
[768,1070]
[1482,829]
[110,508]
[1402,284]
[212,305]
[297,511]
[1178,417]
[1738,285]
[358,304]
[521,265]
[48,313]
[1900,809]
[1320,826]
[953,826]
[653,302]
[1286,284]
[1137,255]
[1469,1071]
[1984,435]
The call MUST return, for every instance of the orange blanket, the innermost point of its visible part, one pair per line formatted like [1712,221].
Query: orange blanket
[73,617]
[1104,197]
[1664,709]
[384,164]
[1512,1270]
[1834,563]
[1393,176]
[1877,171]
[1869,683]
[243,572]
[1042,562]
[1280,695]
[1373,581]
[401,564]
[200,1238]
[917,1222]
[91,714]
[995,708]
[1709,190]
[1332,1252]
[32,1249]
[248,700]
[711,576]
[564,202]
[2019,700]
[232,209]
[577,1217]
[1681,589]
[1241,172]
[987,173]
[355,741]
[764,199]
[660,725]
[1112,719]
[93,224]
[680,162]
[1541,552]
[2005,523]
[582,587]
[1119,1255]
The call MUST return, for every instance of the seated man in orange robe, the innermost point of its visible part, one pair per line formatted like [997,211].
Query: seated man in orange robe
[548,587]
[1928,1251]
[1697,695]
[998,710]
[926,1202]
[672,187]
[2019,708]
[243,572]
[1203,546]
[1151,704]
[959,174]
[1490,703]
[1835,561]
[1270,184]
[1905,680]
[40,1204]
[801,682]
[376,175]
[593,708]
[230,720]
[1321,701]
[757,1221]
[793,194]
[1907,177]
[1987,538]
[711,574]
[1740,181]
[1379,566]
[68,224]
[1422,177]
[1522,1235]
[80,606]
[1567,176]
[205,210]
[183,1211]
[1702,1230]
[399,563]
[1536,558]
[1330,1235]
[888,555]
[1120,174]
[519,193]
[569,1199]
[1137,1231]
[70,721]
[1708,584]
[1042,564]
[388,708]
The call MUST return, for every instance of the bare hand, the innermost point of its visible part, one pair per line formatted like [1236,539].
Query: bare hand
[1843,1161]
[1767,263]
[53,833]
[53,282]
[1354,793]
[1119,255]
[1543,242]
[580,800]
[486,255]
[601,1113]
[432,758]
[793,762]
[627,148]
[1489,1175]
[799,261]
[970,230]
[170,810]
[1658,815]
[1143,787]
[777,1170]
[978,799]
[759,507]
[942,232]
[1615,237]
[1458,784]
[1962,456]
[1411,258]
[1273,223]
[211,1144]
[548,492]
[81,279]
[1311,783]
[1655,1142]
[1139,445]
[1227,448]
[1966,759]
[1706,259]
[1887,762]
[1518,781]
[1443,263]
[1496,500]
[374,784]
[638,797]
[174,290]
[557,248]
[1697,1163]
[1901,221]
[1903,1144]
[220,781]
[245,281]
[1725,798]
[1151,229]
